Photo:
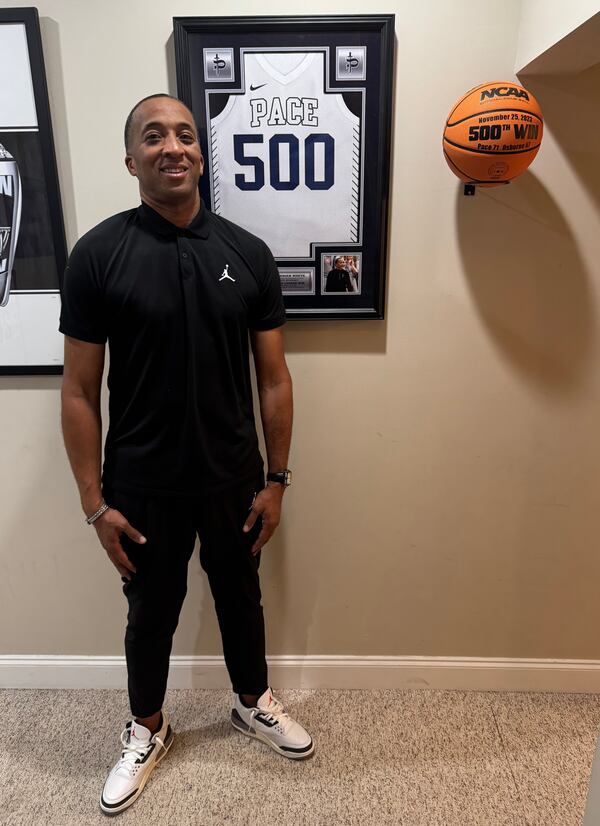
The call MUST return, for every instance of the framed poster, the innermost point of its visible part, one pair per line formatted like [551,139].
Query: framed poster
[294,120]
[32,238]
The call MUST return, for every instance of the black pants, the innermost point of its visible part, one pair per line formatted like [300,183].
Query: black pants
[156,591]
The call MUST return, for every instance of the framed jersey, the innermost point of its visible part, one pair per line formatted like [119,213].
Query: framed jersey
[32,238]
[294,121]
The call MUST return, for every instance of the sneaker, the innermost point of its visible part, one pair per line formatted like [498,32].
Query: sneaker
[268,722]
[142,750]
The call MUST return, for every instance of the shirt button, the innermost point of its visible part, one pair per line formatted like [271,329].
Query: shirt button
[184,255]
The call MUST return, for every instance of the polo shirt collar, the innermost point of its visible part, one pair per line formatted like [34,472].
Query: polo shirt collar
[154,221]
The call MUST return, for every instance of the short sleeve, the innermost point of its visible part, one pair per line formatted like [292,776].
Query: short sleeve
[268,311]
[82,306]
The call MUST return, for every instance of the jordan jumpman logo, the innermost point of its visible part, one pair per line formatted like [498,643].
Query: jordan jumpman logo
[225,274]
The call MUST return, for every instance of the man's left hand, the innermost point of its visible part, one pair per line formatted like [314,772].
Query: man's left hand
[267,505]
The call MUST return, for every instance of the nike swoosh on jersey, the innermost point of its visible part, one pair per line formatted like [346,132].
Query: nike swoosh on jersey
[254,88]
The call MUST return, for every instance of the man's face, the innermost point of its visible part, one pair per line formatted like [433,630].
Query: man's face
[340,263]
[164,153]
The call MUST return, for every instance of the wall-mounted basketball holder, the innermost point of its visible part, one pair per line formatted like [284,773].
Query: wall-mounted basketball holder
[492,134]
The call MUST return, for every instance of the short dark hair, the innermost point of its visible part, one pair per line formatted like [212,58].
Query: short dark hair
[129,121]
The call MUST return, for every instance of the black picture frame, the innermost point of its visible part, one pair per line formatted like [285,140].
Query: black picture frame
[301,189]
[30,343]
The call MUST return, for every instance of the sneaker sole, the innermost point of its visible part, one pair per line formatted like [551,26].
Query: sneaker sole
[256,735]
[115,810]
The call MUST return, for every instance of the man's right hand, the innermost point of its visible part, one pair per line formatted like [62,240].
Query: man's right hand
[109,528]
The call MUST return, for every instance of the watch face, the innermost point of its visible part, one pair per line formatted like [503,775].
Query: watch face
[288,477]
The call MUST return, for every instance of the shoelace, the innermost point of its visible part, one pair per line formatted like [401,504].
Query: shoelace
[273,712]
[131,753]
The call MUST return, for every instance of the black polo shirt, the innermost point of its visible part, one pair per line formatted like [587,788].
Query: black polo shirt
[175,306]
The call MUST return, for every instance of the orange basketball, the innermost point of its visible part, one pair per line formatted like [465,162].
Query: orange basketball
[493,133]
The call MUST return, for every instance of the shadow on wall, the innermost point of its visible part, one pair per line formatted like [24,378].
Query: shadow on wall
[571,107]
[336,336]
[528,282]
[56,92]
[171,66]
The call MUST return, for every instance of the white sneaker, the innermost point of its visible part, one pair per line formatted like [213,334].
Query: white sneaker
[268,722]
[142,750]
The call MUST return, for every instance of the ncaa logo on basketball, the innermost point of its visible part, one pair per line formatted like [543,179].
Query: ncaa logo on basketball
[503,92]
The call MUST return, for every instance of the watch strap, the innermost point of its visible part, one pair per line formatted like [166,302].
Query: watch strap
[283,477]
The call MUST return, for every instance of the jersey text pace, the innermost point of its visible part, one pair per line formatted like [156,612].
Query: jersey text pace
[295,112]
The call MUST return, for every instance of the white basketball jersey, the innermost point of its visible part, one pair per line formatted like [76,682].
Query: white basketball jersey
[285,156]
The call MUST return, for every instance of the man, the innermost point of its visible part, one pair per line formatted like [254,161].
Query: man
[338,278]
[174,290]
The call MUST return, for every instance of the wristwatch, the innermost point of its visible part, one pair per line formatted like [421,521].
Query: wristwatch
[284,477]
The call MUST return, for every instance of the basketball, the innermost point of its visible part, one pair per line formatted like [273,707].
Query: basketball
[493,133]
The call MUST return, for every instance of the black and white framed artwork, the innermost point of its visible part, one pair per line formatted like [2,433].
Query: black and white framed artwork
[32,238]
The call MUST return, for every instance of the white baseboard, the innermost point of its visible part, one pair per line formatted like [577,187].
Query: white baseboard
[450,673]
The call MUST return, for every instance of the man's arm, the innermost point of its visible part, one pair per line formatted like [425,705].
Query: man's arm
[81,419]
[82,432]
[276,411]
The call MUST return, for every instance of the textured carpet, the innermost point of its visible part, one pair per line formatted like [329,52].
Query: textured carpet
[408,758]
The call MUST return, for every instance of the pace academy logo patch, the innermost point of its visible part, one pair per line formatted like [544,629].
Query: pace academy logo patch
[351,63]
[218,65]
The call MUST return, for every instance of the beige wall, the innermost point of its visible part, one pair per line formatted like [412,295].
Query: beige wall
[446,459]
[545,22]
